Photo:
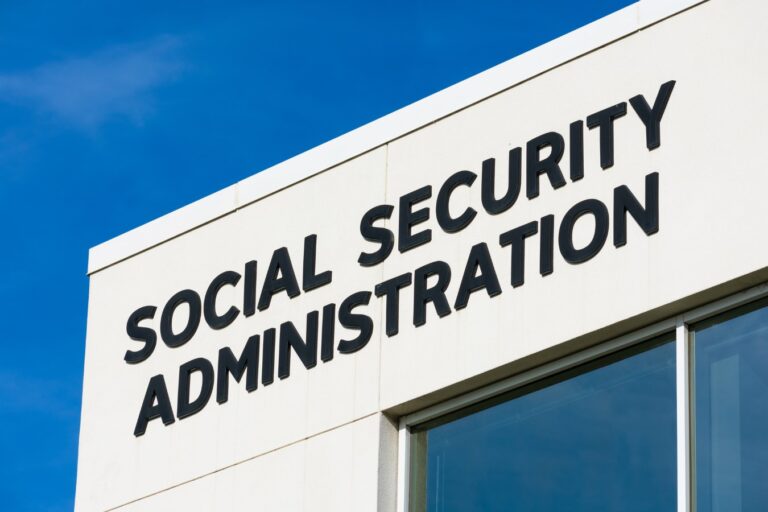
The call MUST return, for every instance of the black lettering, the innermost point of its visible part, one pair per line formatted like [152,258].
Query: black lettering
[407,240]
[442,208]
[604,119]
[651,117]
[248,365]
[209,303]
[516,238]
[599,211]
[185,407]
[422,294]
[268,359]
[647,218]
[357,321]
[384,237]
[306,350]
[138,333]
[192,299]
[390,290]
[546,245]
[327,335]
[535,166]
[249,289]
[280,277]
[490,203]
[310,279]
[479,259]
[577,150]
[156,391]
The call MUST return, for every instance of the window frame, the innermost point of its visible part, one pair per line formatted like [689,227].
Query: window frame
[679,325]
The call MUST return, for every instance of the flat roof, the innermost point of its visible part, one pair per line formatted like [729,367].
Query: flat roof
[377,133]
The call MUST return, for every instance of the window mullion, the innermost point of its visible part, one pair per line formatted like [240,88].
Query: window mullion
[684,437]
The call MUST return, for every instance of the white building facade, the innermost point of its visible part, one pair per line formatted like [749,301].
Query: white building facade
[539,289]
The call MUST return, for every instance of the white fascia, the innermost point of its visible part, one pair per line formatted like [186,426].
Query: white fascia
[499,78]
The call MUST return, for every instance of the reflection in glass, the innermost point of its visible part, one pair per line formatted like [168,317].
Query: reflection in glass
[731,411]
[598,438]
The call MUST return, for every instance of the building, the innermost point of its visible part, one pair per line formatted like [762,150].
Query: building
[543,288]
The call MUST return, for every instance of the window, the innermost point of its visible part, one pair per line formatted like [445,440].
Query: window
[731,411]
[648,422]
[597,438]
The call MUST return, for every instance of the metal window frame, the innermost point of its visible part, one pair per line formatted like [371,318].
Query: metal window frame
[678,324]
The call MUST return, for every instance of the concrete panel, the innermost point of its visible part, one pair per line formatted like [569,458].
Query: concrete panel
[711,186]
[115,466]
[337,471]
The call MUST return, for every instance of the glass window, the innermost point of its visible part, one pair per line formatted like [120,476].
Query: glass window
[731,411]
[601,437]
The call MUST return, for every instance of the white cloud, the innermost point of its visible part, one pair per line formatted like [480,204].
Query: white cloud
[86,91]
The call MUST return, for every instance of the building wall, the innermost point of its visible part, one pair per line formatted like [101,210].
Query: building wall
[325,438]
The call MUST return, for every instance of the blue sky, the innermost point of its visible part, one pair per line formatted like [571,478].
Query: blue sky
[114,113]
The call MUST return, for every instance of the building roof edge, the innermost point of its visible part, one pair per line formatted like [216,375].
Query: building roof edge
[377,133]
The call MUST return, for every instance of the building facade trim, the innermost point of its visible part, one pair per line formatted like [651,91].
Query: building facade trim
[380,132]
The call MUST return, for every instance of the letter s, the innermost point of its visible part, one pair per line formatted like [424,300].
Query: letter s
[138,333]
[372,233]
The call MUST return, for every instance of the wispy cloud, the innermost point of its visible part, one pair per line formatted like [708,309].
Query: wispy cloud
[88,90]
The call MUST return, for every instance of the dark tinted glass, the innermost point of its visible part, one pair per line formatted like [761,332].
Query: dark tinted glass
[600,438]
[731,411]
